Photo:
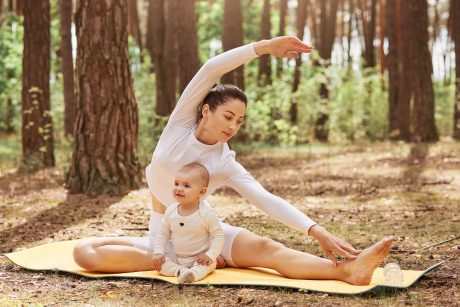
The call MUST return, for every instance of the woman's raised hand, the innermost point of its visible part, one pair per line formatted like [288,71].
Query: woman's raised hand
[282,47]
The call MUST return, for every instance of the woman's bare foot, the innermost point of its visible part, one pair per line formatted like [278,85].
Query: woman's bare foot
[359,270]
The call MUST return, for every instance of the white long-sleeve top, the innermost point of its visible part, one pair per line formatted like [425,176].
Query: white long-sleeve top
[192,234]
[178,146]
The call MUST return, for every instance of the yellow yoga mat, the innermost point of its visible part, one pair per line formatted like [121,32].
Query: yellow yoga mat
[58,257]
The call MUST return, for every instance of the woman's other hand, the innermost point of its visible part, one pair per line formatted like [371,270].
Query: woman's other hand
[282,47]
[332,244]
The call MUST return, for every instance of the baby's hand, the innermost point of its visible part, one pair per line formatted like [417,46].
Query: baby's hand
[158,260]
[203,259]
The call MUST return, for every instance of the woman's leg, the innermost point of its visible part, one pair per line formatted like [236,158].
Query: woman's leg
[111,255]
[251,250]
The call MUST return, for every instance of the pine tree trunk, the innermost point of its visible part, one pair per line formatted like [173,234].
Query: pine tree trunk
[381,53]
[19,7]
[404,103]
[282,32]
[189,62]
[424,128]
[265,68]
[133,23]
[105,159]
[65,8]
[161,46]
[327,35]
[9,116]
[368,17]
[300,26]
[394,72]
[455,13]
[9,75]
[233,37]
[170,53]
[37,126]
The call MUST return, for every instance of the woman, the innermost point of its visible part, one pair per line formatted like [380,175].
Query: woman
[202,138]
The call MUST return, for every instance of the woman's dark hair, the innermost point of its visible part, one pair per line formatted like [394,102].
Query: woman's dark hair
[219,95]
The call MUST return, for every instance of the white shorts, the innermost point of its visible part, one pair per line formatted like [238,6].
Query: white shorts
[146,243]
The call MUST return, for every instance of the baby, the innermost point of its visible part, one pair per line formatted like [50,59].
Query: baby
[194,229]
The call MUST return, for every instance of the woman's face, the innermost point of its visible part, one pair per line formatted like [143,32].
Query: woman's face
[225,121]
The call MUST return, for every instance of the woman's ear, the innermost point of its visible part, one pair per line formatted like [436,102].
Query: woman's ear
[205,110]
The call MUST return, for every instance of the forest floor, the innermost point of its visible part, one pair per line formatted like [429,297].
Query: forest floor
[360,192]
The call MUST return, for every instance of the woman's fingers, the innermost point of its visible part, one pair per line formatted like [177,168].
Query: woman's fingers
[349,248]
[331,256]
[342,252]
[296,41]
[291,55]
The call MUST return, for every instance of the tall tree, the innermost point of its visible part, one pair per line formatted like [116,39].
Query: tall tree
[10,74]
[265,67]
[233,37]
[161,44]
[282,32]
[300,26]
[65,8]
[326,41]
[105,156]
[415,32]
[394,68]
[37,125]
[368,18]
[404,102]
[133,23]
[187,38]
[381,35]
[455,20]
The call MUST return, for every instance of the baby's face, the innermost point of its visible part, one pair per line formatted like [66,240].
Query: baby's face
[187,186]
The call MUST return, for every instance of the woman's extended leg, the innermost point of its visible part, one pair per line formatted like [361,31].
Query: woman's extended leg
[111,255]
[251,250]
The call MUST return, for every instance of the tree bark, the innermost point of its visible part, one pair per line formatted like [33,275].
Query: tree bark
[394,71]
[416,16]
[189,61]
[327,35]
[133,23]
[404,103]
[105,159]
[161,43]
[282,32]
[233,37]
[37,125]
[368,17]
[300,22]
[19,7]
[381,35]
[455,13]
[9,75]
[265,67]
[65,8]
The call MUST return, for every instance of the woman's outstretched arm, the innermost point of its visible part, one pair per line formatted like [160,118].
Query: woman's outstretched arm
[184,114]
[279,209]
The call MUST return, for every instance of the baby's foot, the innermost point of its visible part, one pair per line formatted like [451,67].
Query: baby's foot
[360,270]
[185,276]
